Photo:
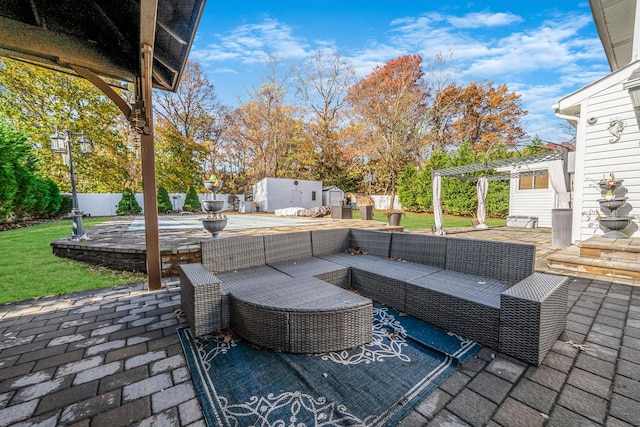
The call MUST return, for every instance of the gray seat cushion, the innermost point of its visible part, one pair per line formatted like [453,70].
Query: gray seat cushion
[470,287]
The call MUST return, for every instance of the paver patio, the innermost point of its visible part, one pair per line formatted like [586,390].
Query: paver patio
[111,357]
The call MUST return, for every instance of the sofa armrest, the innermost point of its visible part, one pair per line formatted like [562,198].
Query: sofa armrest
[533,313]
[201,298]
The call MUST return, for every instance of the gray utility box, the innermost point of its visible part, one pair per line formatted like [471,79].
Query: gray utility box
[561,228]
[522,221]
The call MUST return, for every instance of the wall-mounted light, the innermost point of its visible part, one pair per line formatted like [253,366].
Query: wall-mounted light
[633,86]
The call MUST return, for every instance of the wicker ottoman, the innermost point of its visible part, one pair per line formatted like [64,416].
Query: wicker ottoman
[533,313]
[302,316]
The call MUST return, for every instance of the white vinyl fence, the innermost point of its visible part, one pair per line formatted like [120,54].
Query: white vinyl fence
[382,202]
[105,204]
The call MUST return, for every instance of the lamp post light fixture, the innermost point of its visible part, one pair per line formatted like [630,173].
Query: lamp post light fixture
[61,143]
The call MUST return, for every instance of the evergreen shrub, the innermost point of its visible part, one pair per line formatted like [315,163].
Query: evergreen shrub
[191,201]
[164,201]
[128,204]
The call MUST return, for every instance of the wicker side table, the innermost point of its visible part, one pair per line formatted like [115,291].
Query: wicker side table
[201,298]
[533,313]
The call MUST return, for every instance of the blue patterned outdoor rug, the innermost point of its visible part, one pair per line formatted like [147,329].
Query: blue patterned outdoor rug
[373,385]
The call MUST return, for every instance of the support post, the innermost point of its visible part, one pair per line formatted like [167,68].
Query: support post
[149,176]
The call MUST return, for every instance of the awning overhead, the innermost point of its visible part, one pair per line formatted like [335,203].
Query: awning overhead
[102,36]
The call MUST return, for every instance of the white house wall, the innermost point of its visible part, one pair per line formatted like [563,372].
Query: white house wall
[538,203]
[601,157]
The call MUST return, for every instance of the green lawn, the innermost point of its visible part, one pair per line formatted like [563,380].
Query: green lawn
[411,220]
[29,269]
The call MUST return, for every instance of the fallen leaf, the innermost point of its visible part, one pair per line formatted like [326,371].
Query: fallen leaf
[179,313]
[227,338]
[576,345]
[357,251]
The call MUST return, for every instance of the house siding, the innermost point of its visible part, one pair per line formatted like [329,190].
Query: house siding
[602,157]
[538,203]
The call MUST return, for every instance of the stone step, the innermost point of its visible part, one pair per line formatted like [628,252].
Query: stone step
[596,258]
[621,249]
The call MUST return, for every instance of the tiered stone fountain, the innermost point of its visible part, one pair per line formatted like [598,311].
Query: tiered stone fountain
[613,198]
[214,222]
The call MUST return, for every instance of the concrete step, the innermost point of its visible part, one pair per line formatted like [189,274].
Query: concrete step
[618,258]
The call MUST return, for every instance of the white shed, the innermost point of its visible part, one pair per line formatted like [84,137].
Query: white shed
[280,193]
[331,196]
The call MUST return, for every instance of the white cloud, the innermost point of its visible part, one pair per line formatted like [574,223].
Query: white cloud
[250,43]
[223,70]
[484,19]
[546,47]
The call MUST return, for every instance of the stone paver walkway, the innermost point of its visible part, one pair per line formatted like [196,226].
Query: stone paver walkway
[112,357]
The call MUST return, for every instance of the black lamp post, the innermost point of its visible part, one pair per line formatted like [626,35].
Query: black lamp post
[61,143]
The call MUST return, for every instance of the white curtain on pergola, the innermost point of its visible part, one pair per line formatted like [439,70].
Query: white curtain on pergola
[559,184]
[481,189]
[437,206]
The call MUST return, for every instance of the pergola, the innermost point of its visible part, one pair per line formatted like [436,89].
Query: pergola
[501,170]
[144,42]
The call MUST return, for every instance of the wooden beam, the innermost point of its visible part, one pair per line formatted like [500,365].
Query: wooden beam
[148,16]
[105,88]
[55,48]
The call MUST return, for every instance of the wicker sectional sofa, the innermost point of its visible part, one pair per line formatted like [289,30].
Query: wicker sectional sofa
[289,291]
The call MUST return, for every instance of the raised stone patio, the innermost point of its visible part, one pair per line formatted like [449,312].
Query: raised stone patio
[111,357]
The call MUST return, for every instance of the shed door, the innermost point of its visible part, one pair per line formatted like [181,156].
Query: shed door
[296,198]
[334,198]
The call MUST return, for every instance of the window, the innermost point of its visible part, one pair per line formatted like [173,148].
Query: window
[534,180]
[313,196]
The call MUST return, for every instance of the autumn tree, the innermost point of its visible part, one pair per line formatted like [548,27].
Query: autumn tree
[34,100]
[178,159]
[267,134]
[323,86]
[391,103]
[197,115]
[483,114]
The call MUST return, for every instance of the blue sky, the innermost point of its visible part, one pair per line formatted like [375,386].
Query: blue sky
[541,49]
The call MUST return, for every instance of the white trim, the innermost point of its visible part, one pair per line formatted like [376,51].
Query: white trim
[577,97]
[635,46]
[578,194]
